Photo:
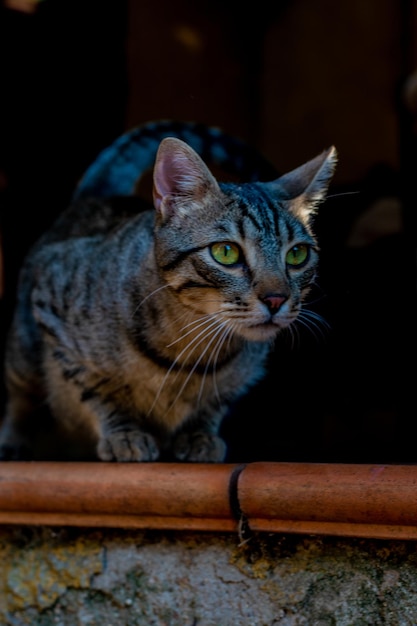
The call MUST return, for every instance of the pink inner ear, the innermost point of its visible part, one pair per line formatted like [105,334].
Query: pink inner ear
[162,178]
[170,173]
[179,172]
[172,169]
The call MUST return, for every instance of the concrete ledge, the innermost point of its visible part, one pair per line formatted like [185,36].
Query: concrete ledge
[308,498]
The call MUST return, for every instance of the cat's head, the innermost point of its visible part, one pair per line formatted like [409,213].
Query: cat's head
[246,253]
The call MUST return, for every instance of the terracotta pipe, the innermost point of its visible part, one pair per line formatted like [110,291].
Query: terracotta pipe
[312,498]
[155,495]
[324,498]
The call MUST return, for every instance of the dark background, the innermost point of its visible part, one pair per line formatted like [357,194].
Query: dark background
[292,79]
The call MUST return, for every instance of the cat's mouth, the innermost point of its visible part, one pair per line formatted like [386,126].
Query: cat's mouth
[264,331]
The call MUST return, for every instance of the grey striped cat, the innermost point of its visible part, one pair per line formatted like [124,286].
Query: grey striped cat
[136,327]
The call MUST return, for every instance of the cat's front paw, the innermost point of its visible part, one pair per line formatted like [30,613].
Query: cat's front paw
[130,446]
[199,447]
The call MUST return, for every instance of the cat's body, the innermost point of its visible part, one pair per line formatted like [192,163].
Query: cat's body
[137,327]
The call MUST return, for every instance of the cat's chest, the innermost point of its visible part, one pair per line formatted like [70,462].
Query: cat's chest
[170,395]
[167,395]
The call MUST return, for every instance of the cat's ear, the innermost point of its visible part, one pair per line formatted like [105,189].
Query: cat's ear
[307,185]
[181,179]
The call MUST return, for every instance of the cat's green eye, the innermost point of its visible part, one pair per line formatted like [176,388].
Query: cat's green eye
[297,255]
[225,252]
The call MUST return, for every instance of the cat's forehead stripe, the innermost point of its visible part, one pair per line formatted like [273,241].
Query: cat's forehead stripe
[289,228]
[260,210]
[245,212]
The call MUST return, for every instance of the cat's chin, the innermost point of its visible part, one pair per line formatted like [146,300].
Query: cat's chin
[260,332]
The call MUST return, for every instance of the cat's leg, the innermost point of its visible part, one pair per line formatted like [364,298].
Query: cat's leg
[122,440]
[89,407]
[198,442]
[93,408]
[199,447]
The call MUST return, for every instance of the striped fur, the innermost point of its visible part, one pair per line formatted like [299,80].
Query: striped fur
[136,327]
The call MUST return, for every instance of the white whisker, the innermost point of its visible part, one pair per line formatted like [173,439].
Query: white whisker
[227,332]
[343,193]
[149,296]
[199,338]
[195,365]
[199,322]
[318,317]
[314,323]
[292,330]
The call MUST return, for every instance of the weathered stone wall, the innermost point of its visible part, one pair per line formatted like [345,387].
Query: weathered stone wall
[74,577]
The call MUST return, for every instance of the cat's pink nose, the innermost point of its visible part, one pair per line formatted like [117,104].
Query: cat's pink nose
[274,303]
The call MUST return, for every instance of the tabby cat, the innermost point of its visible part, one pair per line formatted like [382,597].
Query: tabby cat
[136,327]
